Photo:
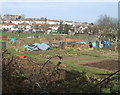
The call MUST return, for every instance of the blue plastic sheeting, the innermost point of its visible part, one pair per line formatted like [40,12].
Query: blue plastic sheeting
[94,44]
[70,42]
[105,44]
[37,46]
[44,46]
[81,42]
[31,47]
[108,43]
[19,30]
[74,42]
[13,40]
[62,43]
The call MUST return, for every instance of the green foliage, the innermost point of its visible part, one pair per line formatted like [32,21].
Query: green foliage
[17,74]
[106,90]
[66,28]
[60,29]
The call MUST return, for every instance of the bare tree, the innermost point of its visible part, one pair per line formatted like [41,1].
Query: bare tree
[44,27]
[107,26]
[23,16]
[60,29]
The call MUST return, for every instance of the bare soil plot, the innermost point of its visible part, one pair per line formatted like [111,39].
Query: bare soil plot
[111,65]
[65,58]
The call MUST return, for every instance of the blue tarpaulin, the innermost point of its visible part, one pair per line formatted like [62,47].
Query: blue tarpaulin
[75,42]
[62,43]
[70,42]
[81,42]
[37,46]
[19,30]
[108,43]
[105,44]
[44,46]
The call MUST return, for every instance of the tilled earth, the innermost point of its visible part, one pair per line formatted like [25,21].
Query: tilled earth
[111,65]
[103,63]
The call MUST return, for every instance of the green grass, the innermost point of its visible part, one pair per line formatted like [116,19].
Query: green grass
[28,55]
[69,63]
[23,35]
[62,52]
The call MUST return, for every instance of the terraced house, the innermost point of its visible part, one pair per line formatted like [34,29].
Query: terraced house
[15,22]
[7,26]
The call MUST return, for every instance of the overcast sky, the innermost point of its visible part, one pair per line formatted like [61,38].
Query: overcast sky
[73,11]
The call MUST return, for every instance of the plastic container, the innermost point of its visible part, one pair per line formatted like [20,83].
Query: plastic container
[3,45]
[108,43]
[94,44]
[105,44]
[13,40]
[20,56]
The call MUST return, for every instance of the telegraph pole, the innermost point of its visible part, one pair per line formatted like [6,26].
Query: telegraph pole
[118,43]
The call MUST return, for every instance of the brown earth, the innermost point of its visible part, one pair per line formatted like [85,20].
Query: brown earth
[95,62]
[111,65]
[37,79]
[66,58]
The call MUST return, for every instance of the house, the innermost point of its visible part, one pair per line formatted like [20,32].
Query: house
[39,21]
[71,32]
[24,26]
[53,22]
[83,29]
[10,17]
[10,22]
[49,30]
[54,27]
[8,26]
[36,26]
